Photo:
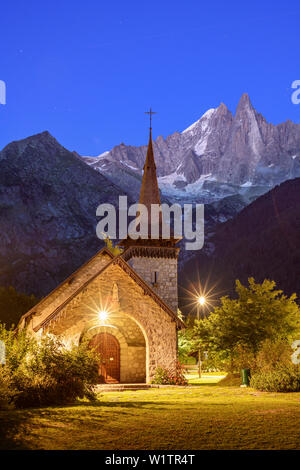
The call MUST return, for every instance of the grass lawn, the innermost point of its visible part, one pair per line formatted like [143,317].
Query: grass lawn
[195,380]
[205,374]
[204,417]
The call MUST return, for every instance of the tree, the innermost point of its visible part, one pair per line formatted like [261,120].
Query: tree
[187,344]
[260,312]
[14,304]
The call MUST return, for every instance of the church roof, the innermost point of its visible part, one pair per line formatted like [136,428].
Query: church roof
[149,193]
[51,305]
[65,290]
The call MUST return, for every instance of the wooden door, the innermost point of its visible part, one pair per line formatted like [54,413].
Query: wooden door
[108,347]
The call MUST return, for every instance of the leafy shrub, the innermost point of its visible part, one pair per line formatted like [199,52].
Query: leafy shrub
[273,355]
[274,371]
[170,377]
[46,372]
[280,379]
[161,376]
[56,375]
[270,355]
[18,345]
[7,391]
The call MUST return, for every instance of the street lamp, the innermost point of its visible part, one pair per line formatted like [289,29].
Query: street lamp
[200,303]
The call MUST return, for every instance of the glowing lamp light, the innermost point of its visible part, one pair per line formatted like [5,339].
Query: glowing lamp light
[201,300]
[102,315]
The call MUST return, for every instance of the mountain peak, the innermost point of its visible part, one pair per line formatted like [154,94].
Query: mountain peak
[41,140]
[222,109]
[40,136]
[245,98]
[243,104]
[204,117]
[222,106]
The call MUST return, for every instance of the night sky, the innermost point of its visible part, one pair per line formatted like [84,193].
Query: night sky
[87,71]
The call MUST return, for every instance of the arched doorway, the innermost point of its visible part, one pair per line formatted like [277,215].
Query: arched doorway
[108,347]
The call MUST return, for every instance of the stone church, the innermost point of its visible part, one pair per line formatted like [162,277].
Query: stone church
[124,305]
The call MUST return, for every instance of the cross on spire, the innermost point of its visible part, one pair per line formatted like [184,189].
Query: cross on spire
[150,113]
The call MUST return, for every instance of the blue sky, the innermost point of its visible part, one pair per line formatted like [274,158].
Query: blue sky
[87,71]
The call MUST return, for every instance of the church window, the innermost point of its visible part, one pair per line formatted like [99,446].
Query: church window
[155,278]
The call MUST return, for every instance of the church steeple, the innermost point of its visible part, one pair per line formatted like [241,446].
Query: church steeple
[154,259]
[149,193]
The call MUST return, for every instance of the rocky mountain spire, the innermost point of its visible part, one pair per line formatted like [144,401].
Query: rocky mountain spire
[243,104]
[218,149]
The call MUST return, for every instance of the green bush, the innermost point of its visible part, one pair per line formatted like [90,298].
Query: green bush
[7,391]
[56,375]
[274,370]
[280,379]
[161,376]
[170,377]
[46,372]
[273,355]
[18,345]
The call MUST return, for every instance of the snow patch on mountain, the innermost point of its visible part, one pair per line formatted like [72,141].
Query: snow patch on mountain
[206,130]
[166,181]
[194,187]
[129,166]
[203,121]
[103,154]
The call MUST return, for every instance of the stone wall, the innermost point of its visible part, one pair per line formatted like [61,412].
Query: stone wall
[64,291]
[166,286]
[135,367]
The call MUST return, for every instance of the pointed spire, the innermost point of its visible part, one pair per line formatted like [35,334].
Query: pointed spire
[243,105]
[149,195]
[149,190]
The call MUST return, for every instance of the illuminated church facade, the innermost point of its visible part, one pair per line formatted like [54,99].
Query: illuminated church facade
[124,305]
